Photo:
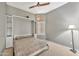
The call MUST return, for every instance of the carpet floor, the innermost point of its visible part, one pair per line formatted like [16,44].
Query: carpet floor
[57,50]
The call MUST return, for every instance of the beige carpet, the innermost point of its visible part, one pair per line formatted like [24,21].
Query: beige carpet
[57,50]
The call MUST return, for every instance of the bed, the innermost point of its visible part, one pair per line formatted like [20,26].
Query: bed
[28,46]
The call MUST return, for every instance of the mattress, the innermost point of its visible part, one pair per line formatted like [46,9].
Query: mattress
[29,46]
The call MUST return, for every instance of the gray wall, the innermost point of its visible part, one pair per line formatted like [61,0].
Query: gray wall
[15,11]
[21,26]
[2,26]
[57,22]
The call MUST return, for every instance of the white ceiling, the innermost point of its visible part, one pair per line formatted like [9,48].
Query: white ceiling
[37,10]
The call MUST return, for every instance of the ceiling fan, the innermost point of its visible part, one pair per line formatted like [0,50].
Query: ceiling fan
[38,5]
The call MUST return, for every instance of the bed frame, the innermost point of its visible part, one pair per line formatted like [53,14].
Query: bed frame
[36,53]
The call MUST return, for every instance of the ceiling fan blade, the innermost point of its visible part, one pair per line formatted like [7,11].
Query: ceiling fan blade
[38,5]
[44,4]
[32,6]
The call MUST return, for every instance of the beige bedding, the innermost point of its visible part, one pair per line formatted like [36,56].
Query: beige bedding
[27,46]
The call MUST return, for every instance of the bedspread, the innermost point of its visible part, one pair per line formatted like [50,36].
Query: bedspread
[27,46]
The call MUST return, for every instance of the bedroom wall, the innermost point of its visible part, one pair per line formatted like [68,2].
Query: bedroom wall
[22,27]
[57,22]
[20,23]
[2,26]
[15,11]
